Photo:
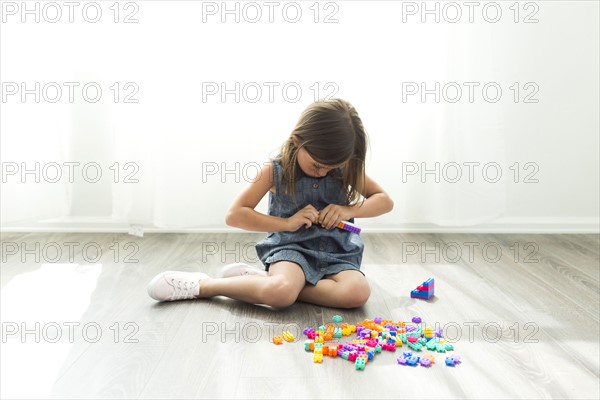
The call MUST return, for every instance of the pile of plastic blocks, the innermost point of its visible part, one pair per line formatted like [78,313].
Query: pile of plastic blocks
[374,336]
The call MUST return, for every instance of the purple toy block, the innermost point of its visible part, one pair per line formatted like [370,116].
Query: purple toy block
[350,227]
[424,361]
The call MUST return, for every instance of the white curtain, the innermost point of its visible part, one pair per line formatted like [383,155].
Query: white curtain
[184,153]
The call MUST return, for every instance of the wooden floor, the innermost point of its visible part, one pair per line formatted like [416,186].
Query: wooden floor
[521,310]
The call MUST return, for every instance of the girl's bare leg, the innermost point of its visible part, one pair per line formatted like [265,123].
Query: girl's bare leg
[279,289]
[346,289]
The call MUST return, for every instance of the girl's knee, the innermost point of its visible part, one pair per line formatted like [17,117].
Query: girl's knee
[280,292]
[357,293]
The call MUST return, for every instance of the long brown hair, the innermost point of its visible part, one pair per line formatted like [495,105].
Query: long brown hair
[332,133]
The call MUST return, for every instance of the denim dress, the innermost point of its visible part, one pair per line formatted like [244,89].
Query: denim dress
[316,250]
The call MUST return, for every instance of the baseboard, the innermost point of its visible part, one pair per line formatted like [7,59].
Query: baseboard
[501,225]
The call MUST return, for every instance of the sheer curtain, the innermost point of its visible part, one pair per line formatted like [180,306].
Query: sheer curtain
[460,146]
[175,156]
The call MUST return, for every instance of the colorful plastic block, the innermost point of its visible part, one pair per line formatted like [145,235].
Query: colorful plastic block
[425,291]
[337,319]
[389,347]
[453,360]
[309,345]
[430,357]
[412,361]
[359,364]
[426,362]
[431,345]
[287,336]
[428,332]
[416,320]
[318,357]
[348,226]
[277,339]
[415,346]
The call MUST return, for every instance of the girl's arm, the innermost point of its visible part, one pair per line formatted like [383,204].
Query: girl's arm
[377,202]
[242,215]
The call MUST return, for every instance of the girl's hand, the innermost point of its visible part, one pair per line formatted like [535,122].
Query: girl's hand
[330,216]
[306,216]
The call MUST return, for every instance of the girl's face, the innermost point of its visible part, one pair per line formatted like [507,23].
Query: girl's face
[313,168]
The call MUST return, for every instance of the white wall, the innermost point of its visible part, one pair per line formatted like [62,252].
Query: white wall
[368,55]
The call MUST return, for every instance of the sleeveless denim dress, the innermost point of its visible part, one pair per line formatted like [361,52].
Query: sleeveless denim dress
[316,250]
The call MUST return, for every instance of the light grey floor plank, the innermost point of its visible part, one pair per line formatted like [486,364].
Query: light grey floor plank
[524,330]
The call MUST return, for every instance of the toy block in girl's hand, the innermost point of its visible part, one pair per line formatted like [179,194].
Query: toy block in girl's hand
[350,227]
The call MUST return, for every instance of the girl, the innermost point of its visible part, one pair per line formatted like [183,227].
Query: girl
[317,180]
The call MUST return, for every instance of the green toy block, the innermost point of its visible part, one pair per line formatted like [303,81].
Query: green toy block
[415,346]
[431,345]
